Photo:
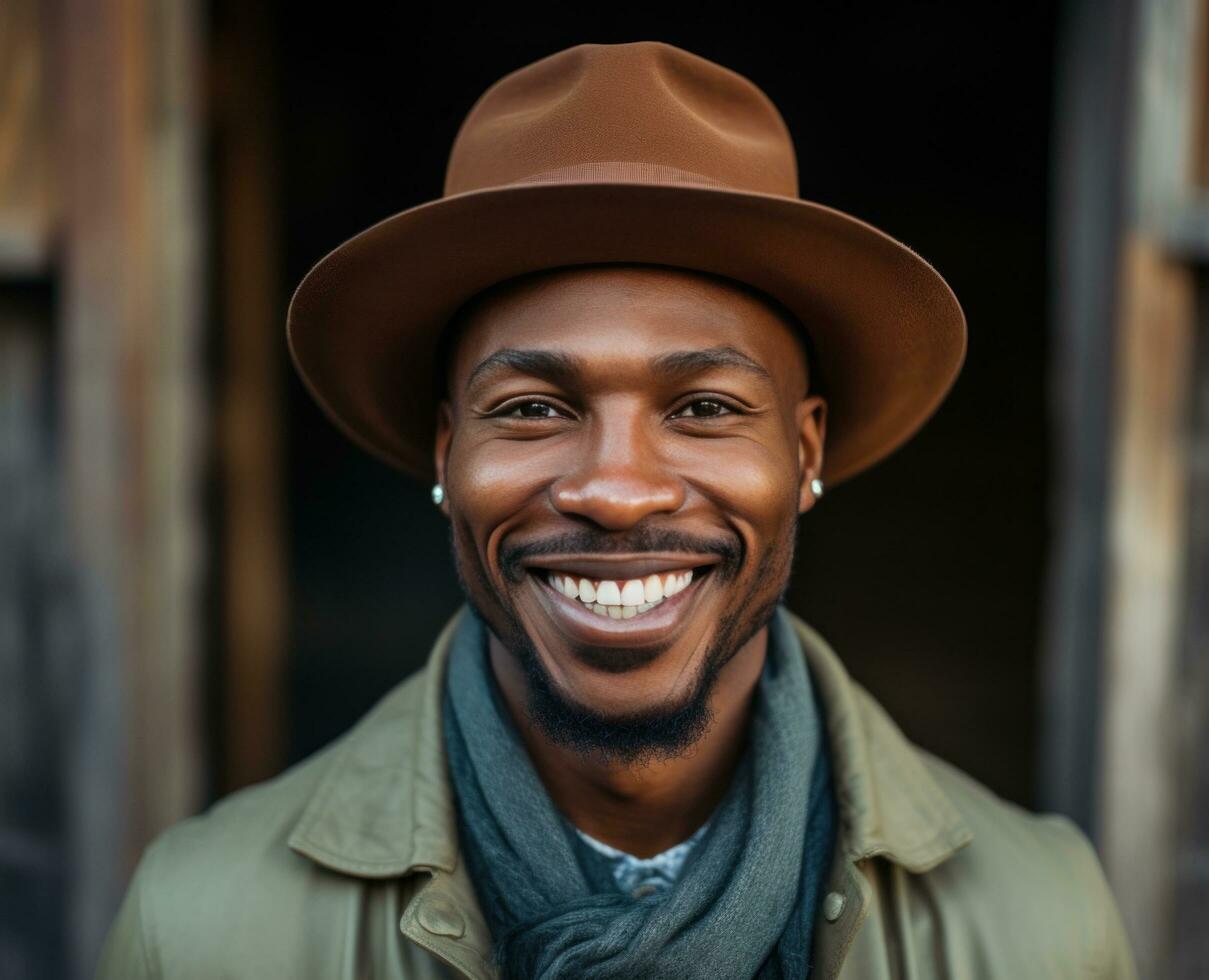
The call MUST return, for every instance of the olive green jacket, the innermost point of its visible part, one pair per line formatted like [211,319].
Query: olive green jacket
[346,866]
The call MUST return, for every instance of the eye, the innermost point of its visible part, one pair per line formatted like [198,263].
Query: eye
[706,408]
[531,409]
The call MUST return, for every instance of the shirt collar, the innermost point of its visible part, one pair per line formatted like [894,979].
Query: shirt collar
[384,807]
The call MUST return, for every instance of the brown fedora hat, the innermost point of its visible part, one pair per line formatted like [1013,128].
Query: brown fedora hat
[639,152]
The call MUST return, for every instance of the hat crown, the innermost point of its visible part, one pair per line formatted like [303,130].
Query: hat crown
[644,111]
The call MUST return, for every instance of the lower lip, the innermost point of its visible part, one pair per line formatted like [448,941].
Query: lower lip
[588,628]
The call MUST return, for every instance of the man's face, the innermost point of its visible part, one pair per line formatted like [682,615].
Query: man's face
[625,453]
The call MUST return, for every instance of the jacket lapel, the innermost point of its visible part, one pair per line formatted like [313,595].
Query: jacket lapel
[890,805]
[385,809]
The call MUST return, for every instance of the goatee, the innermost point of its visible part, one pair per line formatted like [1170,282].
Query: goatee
[637,739]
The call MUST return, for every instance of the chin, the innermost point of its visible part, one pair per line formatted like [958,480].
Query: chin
[622,690]
[617,718]
[622,696]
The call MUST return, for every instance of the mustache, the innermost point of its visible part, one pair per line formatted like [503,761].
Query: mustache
[636,541]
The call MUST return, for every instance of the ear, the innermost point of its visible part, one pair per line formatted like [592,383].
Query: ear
[441,444]
[812,431]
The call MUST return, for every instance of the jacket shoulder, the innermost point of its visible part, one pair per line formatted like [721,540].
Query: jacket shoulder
[205,877]
[1028,874]
[217,884]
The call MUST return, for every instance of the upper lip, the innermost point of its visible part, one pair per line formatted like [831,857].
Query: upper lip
[621,567]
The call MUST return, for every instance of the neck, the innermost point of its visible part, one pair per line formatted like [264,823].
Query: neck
[643,810]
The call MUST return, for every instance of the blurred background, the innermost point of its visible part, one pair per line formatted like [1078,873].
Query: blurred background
[201,581]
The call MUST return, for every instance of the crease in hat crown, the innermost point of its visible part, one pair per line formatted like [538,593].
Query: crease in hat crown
[643,111]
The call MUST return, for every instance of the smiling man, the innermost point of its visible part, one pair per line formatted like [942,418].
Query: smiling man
[628,356]
[629,450]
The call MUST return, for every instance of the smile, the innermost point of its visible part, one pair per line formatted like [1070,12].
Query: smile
[638,606]
[621,599]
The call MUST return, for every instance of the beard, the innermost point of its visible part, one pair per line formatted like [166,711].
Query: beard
[638,738]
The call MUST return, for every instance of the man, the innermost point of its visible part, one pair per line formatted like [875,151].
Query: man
[630,355]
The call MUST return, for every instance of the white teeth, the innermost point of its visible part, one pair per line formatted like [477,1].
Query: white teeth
[632,593]
[652,588]
[621,599]
[608,594]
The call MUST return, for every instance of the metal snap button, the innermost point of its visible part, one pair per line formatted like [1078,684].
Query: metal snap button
[833,906]
[643,890]
[441,917]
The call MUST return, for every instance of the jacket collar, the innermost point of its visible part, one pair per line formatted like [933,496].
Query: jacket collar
[385,807]
[889,803]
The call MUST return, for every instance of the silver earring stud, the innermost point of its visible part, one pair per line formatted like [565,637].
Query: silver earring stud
[438,494]
[816,487]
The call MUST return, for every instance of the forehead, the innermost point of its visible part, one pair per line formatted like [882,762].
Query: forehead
[618,319]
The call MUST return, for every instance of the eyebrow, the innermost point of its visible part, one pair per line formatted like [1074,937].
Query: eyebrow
[566,369]
[685,363]
[550,364]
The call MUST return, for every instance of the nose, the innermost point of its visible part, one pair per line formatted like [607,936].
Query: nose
[621,476]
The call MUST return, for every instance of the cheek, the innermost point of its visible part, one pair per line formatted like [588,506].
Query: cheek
[492,482]
[749,480]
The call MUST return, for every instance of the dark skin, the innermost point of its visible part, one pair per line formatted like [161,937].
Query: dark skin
[716,455]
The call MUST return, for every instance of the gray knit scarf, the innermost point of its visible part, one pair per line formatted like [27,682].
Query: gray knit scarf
[744,903]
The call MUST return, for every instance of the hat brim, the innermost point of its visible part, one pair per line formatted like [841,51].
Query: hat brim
[888,332]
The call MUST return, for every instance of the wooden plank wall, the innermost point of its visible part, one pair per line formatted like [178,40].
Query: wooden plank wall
[1154,705]
[1092,87]
[249,399]
[101,220]
[1126,746]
